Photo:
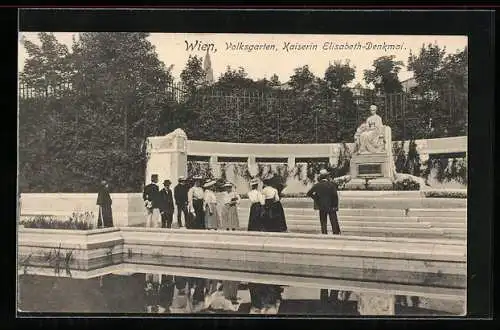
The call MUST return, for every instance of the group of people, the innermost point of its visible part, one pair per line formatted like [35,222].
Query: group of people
[179,294]
[213,204]
[205,204]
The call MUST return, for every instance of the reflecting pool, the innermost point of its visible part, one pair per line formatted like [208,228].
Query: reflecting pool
[176,294]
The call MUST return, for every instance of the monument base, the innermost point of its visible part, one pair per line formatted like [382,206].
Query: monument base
[371,172]
[373,184]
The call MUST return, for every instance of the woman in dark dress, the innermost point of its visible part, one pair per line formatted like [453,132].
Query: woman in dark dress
[105,217]
[166,291]
[195,203]
[274,216]
[267,296]
[256,208]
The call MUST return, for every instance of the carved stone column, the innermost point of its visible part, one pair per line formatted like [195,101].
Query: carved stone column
[215,166]
[334,155]
[423,153]
[253,167]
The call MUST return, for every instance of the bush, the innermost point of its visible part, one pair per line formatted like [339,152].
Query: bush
[78,221]
[445,194]
[406,182]
[341,181]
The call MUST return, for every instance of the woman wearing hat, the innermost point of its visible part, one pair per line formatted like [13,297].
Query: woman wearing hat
[229,219]
[195,202]
[274,215]
[210,206]
[256,207]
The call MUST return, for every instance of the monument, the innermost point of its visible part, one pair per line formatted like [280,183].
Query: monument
[167,156]
[372,163]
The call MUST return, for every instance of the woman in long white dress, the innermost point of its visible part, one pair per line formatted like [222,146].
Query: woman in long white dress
[210,206]
[229,218]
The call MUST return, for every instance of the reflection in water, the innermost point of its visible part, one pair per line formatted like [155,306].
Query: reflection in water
[173,294]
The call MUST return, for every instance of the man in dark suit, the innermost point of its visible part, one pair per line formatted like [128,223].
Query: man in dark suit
[105,218]
[151,196]
[181,200]
[166,205]
[326,200]
[324,194]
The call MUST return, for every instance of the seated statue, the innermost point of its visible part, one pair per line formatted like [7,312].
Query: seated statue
[369,135]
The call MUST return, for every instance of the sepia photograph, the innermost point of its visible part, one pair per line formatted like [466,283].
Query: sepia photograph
[242,173]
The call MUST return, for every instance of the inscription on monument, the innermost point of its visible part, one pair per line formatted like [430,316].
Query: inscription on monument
[370,169]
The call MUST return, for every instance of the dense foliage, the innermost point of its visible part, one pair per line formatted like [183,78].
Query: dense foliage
[72,138]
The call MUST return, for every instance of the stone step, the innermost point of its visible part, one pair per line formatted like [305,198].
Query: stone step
[406,235]
[401,219]
[456,236]
[364,224]
[378,203]
[450,220]
[385,234]
[342,212]
[445,225]
[428,212]
[374,229]
[367,232]
[455,231]
[460,212]
[289,215]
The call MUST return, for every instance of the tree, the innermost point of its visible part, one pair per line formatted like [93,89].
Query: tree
[339,75]
[234,79]
[274,81]
[384,76]
[302,78]
[442,88]
[126,87]
[47,65]
[427,68]
[193,76]
[99,128]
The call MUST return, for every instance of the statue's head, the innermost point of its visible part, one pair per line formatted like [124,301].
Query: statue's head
[373,109]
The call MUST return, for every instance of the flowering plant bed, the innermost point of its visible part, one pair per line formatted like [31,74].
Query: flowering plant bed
[77,221]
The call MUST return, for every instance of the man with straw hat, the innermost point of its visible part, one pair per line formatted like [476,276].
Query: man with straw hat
[324,194]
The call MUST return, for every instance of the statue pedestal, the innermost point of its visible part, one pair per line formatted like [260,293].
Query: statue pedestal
[376,169]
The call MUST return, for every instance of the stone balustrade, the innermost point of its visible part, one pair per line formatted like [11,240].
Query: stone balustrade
[452,145]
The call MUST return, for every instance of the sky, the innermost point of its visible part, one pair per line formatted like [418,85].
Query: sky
[279,54]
